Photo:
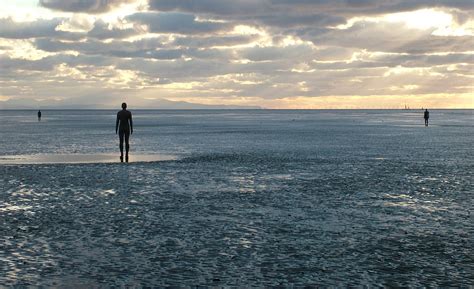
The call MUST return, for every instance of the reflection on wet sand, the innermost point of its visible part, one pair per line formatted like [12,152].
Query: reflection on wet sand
[78,158]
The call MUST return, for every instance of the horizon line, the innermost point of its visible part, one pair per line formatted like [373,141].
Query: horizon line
[139,108]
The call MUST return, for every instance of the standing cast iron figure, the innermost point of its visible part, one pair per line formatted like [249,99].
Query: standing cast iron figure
[426,116]
[124,127]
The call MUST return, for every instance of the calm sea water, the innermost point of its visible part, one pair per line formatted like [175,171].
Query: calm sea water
[254,198]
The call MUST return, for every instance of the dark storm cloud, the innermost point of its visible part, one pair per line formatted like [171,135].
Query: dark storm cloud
[88,6]
[181,23]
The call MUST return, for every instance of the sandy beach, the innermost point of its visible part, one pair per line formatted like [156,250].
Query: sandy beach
[246,199]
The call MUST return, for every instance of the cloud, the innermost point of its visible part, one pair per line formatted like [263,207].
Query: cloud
[33,29]
[49,63]
[181,23]
[389,37]
[293,52]
[249,11]
[238,51]
[217,7]
[211,41]
[242,8]
[285,20]
[370,7]
[88,6]
[11,64]
[150,48]
[102,30]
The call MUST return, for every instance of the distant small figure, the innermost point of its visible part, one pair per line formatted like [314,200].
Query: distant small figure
[39,115]
[426,116]
[124,126]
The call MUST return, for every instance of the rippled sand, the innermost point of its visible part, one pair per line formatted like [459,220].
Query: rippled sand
[238,220]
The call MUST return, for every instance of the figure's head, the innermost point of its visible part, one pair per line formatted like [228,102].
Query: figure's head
[124,105]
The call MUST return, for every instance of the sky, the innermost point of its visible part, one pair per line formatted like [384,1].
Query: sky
[298,54]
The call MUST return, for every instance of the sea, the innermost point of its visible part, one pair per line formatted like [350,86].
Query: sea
[241,198]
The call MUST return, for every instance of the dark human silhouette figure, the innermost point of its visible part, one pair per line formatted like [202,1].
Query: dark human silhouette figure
[426,116]
[124,127]
[39,115]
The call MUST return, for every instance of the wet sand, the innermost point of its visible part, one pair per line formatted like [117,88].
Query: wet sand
[253,199]
[79,159]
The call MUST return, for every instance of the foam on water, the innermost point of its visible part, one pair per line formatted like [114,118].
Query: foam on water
[256,198]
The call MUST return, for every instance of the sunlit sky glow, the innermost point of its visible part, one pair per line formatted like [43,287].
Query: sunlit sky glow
[266,53]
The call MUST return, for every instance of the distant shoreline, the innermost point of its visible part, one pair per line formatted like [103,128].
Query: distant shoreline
[230,109]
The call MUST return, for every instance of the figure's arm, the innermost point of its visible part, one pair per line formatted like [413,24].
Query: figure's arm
[116,124]
[131,124]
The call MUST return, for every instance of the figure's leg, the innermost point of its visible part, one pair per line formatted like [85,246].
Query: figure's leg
[127,145]
[121,136]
